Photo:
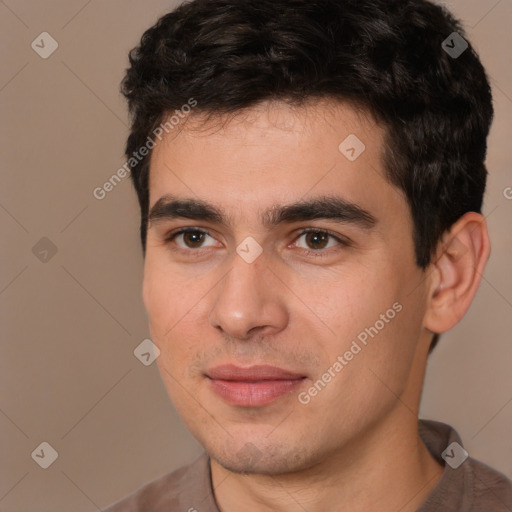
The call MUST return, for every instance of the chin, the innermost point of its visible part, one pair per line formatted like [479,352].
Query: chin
[270,459]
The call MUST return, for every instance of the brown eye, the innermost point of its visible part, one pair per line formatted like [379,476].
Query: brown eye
[316,240]
[188,238]
[193,239]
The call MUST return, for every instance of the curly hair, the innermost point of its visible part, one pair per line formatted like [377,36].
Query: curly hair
[385,56]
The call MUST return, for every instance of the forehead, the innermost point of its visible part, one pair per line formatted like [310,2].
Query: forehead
[272,154]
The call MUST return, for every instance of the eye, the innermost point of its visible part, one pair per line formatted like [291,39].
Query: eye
[316,241]
[190,238]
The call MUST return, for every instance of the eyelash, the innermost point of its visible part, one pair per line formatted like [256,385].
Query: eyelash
[318,253]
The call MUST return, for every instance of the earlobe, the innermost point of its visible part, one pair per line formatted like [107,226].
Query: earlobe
[456,272]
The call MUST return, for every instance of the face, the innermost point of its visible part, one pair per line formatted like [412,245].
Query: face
[293,304]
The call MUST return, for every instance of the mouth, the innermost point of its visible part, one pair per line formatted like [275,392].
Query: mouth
[253,386]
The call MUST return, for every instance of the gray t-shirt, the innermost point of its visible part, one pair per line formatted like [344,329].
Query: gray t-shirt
[471,487]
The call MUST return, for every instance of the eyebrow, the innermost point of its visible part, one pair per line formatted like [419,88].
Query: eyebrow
[333,208]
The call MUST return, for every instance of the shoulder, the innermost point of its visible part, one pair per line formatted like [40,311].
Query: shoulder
[184,487]
[490,488]
[467,484]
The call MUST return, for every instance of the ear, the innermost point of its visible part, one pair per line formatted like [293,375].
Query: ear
[456,272]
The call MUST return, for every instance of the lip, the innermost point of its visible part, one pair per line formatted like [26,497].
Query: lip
[253,386]
[251,373]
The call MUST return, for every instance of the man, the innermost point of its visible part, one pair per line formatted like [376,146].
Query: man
[310,176]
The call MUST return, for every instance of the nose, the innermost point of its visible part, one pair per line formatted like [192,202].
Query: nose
[250,301]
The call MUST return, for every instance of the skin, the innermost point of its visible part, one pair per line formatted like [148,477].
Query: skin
[355,445]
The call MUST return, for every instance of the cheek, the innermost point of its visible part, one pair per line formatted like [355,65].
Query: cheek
[349,300]
[369,313]
[166,294]
[173,304]
[390,334]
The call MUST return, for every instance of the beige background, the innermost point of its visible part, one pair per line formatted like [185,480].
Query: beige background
[70,325]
